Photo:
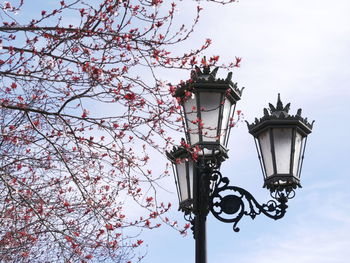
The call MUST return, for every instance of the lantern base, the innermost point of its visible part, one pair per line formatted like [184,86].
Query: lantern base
[186,206]
[282,182]
[211,151]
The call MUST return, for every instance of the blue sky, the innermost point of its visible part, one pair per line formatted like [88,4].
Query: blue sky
[301,50]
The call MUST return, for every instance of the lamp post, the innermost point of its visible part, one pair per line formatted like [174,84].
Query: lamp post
[208,105]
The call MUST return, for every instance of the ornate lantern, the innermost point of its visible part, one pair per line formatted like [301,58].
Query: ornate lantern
[280,140]
[208,105]
[184,171]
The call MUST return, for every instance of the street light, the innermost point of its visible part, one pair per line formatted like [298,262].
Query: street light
[208,105]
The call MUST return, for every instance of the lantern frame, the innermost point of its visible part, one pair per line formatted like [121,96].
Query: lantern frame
[277,120]
[205,82]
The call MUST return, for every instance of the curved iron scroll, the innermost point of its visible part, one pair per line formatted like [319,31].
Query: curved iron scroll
[230,203]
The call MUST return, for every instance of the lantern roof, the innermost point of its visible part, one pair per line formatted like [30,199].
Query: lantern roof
[278,116]
[205,79]
[218,153]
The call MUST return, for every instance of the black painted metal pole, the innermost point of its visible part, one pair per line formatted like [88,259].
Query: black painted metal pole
[201,240]
[201,211]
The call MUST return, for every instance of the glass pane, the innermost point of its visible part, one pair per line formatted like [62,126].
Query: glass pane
[283,144]
[302,151]
[182,182]
[297,148]
[176,181]
[191,175]
[210,107]
[265,146]
[227,114]
[190,107]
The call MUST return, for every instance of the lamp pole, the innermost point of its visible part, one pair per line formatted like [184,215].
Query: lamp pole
[201,207]
[200,234]
[201,241]
[208,105]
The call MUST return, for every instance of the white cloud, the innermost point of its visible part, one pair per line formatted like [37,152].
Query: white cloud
[305,245]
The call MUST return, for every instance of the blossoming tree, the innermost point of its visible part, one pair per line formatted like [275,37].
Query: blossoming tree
[77,117]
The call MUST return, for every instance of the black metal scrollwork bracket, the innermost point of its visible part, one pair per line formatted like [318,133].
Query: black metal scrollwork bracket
[230,203]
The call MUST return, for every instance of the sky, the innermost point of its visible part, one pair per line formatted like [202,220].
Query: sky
[301,50]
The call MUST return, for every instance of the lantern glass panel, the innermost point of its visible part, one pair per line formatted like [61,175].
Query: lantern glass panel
[191,175]
[210,103]
[265,147]
[299,141]
[227,114]
[283,147]
[182,180]
[190,107]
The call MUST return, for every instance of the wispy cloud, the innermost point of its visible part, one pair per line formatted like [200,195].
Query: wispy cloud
[303,245]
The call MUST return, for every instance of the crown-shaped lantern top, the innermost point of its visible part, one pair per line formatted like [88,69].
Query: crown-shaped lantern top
[280,113]
[206,78]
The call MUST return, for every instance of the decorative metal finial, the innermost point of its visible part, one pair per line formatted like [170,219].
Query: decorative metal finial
[204,72]
[280,112]
[279,109]
[279,103]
